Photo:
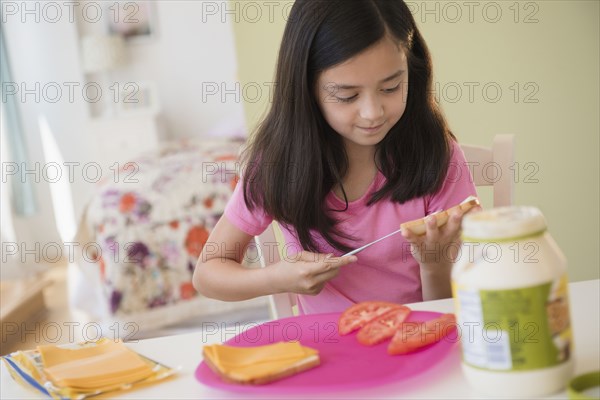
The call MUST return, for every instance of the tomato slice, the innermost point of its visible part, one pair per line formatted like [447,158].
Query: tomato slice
[382,327]
[362,313]
[412,336]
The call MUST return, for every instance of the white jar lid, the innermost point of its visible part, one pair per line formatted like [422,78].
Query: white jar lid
[503,223]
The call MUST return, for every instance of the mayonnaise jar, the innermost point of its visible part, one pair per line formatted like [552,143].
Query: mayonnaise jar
[510,289]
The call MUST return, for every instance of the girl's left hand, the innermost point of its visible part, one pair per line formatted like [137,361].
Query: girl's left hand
[438,245]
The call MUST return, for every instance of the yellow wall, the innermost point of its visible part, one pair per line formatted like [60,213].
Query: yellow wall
[544,58]
[258,36]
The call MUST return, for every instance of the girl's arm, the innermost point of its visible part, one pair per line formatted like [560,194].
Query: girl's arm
[220,275]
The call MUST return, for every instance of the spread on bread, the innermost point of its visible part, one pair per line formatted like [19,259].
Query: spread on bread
[260,364]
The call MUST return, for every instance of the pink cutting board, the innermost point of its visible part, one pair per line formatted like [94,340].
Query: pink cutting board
[345,363]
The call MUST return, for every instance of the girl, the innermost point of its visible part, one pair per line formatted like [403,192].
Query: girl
[354,145]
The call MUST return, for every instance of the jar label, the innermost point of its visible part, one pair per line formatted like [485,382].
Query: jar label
[517,329]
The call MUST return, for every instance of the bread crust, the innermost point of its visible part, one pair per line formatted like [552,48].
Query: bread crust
[302,365]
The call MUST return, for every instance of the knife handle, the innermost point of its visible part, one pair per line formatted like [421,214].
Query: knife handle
[418,225]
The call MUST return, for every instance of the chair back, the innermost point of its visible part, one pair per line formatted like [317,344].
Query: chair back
[494,166]
[281,304]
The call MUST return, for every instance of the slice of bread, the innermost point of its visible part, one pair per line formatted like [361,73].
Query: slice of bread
[418,226]
[310,361]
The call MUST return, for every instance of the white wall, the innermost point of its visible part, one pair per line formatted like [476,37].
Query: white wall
[44,53]
[185,55]
[44,47]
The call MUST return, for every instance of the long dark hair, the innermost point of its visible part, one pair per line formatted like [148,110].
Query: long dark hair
[295,158]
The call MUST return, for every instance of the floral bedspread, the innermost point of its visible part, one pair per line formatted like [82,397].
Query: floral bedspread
[149,226]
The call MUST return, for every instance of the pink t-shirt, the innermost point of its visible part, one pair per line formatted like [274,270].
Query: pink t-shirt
[386,271]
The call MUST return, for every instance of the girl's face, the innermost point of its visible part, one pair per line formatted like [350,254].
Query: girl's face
[365,96]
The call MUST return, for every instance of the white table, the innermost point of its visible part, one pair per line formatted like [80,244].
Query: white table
[444,380]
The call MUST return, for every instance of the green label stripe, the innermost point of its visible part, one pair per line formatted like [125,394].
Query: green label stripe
[518,320]
[522,313]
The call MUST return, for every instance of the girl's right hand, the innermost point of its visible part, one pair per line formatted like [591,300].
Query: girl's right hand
[306,272]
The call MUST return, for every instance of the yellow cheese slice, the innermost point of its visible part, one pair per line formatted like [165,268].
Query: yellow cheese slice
[247,363]
[53,355]
[109,363]
[237,356]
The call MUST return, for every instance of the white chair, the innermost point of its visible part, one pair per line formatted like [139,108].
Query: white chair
[281,304]
[489,166]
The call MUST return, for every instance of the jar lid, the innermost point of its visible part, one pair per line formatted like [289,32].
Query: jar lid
[503,223]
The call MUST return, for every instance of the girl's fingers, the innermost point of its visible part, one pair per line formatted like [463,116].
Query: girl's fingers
[410,237]
[331,267]
[308,256]
[454,222]
[432,231]
[332,264]
[336,262]
[475,209]
[319,263]
[425,247]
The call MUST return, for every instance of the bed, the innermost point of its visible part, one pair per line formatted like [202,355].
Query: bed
[141,235]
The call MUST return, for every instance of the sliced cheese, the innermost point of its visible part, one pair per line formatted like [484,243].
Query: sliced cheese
[248,363]
[238,356]
[53,355]
[106,364]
